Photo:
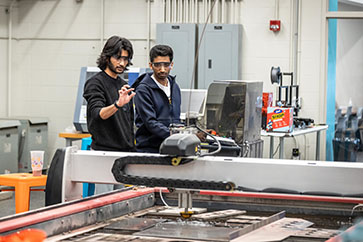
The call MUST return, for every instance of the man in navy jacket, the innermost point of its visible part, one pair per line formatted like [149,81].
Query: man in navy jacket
[157,101]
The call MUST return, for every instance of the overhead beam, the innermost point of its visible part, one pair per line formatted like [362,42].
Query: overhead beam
[344,15]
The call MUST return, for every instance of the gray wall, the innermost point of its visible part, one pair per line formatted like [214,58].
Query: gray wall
[349,78]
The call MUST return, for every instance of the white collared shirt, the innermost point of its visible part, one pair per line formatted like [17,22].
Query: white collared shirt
[166,88]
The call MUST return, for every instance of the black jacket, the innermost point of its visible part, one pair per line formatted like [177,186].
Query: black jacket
[154,112]
[115,133]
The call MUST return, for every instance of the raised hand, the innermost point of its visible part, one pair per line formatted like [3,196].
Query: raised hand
[125,95]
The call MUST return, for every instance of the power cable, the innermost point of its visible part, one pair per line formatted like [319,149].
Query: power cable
[215,139]
[276,150]
[196,59]
[162,199]
[355,207]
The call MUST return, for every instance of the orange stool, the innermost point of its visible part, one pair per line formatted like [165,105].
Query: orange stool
[22,182]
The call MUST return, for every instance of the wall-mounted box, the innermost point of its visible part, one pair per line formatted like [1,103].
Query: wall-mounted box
[9,146]
[182,39]
[33,135]
[219,54]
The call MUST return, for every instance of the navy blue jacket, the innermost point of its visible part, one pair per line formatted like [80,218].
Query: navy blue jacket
[154,112]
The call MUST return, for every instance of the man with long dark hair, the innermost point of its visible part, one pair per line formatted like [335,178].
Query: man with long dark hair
[110,113]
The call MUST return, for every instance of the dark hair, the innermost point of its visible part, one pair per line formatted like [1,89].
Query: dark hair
[113,46]
[161,50]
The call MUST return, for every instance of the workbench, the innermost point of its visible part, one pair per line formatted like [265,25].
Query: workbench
[296,132]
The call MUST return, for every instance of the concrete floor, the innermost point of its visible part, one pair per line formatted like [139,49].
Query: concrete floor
[7,205]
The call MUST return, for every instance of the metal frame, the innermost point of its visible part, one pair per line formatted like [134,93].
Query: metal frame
[282,136]
[68,216]
[257,174]
[270,202]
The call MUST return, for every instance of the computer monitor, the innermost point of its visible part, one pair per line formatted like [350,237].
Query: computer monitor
[195,101]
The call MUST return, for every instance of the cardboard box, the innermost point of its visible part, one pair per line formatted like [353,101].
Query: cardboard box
[279,119]
[267,100]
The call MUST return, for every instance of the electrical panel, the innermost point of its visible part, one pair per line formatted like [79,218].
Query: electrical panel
[9,146]
[32,135]
[182,39]
[219,54]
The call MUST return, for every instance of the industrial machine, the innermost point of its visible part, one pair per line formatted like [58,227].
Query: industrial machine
[187,194]
[234,199]
[220,198]
[234,110]
[288,95]
[205,172]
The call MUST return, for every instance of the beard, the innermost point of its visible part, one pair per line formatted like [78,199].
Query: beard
[115,69]
[161,75]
